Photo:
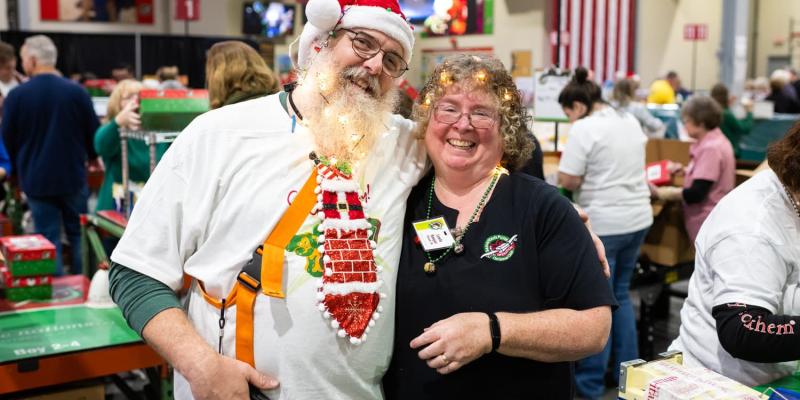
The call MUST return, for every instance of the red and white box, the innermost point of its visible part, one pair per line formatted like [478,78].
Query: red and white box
[27,248]
[657,173]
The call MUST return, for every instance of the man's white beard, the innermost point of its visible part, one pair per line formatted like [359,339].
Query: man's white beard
[347,124]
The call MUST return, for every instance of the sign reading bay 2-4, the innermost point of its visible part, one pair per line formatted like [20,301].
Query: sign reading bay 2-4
[59,330]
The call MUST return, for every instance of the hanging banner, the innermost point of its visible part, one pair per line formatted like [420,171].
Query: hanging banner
[187,10]
[126,12]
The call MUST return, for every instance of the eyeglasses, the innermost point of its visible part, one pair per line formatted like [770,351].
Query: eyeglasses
[479,119]
[366,47]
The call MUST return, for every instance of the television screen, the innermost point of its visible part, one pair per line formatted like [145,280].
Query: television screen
[450,17]
[267,18]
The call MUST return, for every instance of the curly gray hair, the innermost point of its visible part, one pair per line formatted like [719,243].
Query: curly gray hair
[468,72]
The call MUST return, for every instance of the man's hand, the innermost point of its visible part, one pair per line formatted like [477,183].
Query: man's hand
[598,244]
[455,341]
[210,375]
[223,377]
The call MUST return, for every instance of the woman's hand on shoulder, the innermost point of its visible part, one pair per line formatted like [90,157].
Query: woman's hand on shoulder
[451,343]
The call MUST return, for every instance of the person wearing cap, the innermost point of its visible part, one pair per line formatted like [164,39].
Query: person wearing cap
[318,176]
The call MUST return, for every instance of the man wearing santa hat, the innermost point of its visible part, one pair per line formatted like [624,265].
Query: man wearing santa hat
[286,211]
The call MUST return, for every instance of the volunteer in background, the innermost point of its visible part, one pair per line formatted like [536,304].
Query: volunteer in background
[236,72]
[123,113]
[624,98]
[742,316]
[711,173]
[603,164]
[48,126]
[733,128]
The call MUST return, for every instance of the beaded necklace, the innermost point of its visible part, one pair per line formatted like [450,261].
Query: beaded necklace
[793,201]
[457,247]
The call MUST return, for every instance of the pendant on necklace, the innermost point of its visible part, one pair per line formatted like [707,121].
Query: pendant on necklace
[429,268]
[458,248]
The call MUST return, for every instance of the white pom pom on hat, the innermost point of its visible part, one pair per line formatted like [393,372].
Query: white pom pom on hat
[325,15]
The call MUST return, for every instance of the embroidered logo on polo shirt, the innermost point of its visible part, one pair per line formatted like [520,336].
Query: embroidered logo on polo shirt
[499,247]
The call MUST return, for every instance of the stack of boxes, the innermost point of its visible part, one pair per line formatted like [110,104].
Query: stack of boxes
[667,242]
[27,267]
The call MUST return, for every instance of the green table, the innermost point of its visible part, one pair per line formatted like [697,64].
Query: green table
[753,147]
[791,382]
[54,345]
[61,330]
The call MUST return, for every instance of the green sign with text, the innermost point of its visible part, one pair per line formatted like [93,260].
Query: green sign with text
[45,332]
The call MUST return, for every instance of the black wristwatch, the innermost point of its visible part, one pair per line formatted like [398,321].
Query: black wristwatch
[494,330]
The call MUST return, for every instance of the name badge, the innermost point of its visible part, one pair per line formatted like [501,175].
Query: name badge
[434,234]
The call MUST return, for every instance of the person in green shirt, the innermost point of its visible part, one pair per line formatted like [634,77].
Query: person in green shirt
[733,128]
[122,114]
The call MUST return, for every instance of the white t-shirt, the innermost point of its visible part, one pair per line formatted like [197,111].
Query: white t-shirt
[748,251]
[6,87]
[218,192]
[607,150]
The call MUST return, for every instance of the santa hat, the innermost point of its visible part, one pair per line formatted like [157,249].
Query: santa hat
[327,15]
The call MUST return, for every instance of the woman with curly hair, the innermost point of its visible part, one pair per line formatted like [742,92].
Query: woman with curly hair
[235,72]
[603,165]
[499,286]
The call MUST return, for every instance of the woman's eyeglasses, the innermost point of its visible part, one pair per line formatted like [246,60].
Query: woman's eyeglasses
[479,119]
[366,47]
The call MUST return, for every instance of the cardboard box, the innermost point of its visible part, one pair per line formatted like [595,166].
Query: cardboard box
[28,255]
[171,110]
[667,243]
[658,150]
[744,174]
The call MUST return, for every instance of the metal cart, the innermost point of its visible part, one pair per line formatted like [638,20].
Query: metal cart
[151,139]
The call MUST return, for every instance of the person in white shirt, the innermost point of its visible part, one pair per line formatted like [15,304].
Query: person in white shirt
[603,164]
[742,315]
[9,76]
[323,326]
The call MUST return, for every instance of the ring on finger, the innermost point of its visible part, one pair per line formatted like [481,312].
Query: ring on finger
[444,358]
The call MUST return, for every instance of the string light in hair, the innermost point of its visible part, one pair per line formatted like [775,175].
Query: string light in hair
[480,77]
[428,99]
[445,78]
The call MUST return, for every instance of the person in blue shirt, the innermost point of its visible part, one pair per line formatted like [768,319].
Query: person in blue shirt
[48,128]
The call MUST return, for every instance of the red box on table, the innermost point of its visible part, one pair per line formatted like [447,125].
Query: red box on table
[657,173]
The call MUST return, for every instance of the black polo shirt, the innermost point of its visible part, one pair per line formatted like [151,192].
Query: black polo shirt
[548,262]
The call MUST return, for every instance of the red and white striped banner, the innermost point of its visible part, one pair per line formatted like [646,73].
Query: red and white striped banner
[595,34]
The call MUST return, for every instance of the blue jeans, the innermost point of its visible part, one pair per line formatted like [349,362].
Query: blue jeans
[622,252]
[50,212]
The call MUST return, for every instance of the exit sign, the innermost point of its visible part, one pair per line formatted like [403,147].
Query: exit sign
[693,32]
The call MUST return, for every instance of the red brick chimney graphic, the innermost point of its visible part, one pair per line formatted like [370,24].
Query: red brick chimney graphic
[348,293]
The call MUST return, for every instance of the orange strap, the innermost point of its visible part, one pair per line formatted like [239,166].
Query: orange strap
[274,245]
[245,302]
[271,268]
